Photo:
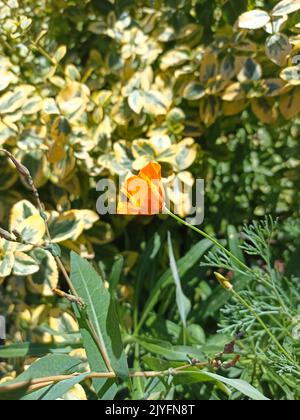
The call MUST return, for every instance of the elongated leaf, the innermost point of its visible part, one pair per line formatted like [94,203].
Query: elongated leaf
[169,352]
[147,261]
[183,303]
[116,273]
[100,311]
[52,365]
[53,392]
[47,366]
[242,386]
[184,265]
[105,389]
[20,350]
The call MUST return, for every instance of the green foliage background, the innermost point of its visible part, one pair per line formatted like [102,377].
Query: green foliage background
[97,88]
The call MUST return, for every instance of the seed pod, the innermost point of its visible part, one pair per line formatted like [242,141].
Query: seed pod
[5,234]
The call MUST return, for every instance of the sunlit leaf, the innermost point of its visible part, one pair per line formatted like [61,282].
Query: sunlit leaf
[136,101]
[255,19]
[278,48]
[291,75]
[194,91]
[46,278]
[12,101]
[24,265]
[174,58]
[289,104]
[251,70]
[286,7]
[265,110]
[234,92]
[208,68]
[21,211]
[209,110]
[72,97]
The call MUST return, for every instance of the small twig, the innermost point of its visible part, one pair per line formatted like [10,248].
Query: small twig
[43,52]
[70,298]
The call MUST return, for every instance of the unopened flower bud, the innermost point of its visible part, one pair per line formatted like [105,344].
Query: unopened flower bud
[224,282]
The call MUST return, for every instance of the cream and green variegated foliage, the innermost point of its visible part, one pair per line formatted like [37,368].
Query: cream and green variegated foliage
[29,258]
[74,119]
[151,96]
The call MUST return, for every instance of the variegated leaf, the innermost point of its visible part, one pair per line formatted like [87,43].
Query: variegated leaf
[285,7]
[291,75]
[24,265]
[46,279]
[209,110]
[255,19]
[265,110]
[278,48]
[289,104]
[20,212]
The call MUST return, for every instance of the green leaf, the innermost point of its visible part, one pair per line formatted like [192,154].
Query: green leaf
[55,364]
[169,352]
[53,392]
[101,312]
[251,70]
[184,265]
[96,362]
[52,365]
[183,303]
[242,386]
[146,266]
[116,273]
[27,349]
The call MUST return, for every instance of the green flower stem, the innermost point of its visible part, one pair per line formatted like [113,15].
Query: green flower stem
[211,238]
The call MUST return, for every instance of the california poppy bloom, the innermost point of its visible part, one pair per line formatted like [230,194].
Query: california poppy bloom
[142,194]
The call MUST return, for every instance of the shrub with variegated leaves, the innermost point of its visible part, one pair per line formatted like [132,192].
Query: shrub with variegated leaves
[94,89]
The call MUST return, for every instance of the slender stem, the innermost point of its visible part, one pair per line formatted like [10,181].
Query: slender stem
[211,238]
[38,383]
[43,52]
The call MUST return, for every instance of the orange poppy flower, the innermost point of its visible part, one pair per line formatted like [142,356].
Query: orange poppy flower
[142,194]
